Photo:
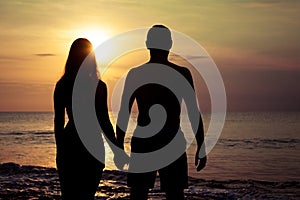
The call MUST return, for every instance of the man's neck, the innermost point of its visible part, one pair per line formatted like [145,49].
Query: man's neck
[158,56]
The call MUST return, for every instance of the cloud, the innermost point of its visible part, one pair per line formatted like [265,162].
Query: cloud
[192,57]
[4,57]
[25,96]
[17,88]
[261,4]
[44,54]
[189,57]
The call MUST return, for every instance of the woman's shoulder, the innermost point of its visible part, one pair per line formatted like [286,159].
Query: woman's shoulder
[65,81]
[63,84]
[101,84]
[59,84]
[101,89]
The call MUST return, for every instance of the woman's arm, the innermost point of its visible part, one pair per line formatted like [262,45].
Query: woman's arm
[120,157]
[59,115]
[102,112]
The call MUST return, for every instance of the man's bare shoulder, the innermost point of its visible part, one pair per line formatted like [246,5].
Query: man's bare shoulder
[144,68]
[140,68]
[170,64]
[181,69]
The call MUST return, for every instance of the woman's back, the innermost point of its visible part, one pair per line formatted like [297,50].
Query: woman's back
[79,171]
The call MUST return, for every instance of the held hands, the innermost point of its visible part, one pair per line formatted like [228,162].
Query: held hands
[200,162]
[120,158]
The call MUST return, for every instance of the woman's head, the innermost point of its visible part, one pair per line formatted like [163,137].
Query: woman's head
[80,50]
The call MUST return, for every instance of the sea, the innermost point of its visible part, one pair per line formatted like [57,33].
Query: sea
[257,156]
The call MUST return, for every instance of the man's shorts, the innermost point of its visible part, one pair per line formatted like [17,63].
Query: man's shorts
[173,176]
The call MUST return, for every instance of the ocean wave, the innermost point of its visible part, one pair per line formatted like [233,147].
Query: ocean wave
[28,132]
[260,143]
[43,133]
[26,182]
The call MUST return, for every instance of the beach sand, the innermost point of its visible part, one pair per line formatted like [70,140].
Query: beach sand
[33,182]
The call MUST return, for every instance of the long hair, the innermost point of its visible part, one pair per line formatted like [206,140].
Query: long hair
[81,51]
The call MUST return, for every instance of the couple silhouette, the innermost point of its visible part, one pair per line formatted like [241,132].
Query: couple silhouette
[80,172]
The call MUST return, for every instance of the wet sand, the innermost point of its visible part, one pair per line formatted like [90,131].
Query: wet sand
[33,182]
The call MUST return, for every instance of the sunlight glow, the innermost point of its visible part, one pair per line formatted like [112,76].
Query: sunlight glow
[95,35]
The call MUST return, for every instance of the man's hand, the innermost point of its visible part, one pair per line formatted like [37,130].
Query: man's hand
[200,162]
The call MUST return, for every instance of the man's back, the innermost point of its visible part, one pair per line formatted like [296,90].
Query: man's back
[159,87]
[152,94]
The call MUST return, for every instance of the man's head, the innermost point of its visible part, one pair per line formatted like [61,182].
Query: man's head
[159,37]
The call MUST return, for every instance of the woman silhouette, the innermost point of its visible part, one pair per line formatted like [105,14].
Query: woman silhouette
[79,172]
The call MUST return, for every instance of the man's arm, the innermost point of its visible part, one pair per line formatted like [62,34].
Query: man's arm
[125,110]
[197,124]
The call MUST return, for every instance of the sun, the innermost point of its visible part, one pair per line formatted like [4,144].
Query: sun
[96,37]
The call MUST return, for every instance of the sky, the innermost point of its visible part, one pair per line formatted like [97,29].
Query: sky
[254,43]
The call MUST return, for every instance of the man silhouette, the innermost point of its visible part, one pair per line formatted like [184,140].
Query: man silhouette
[150,97]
